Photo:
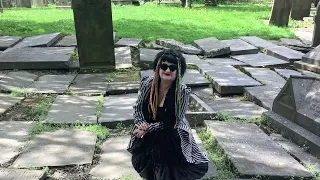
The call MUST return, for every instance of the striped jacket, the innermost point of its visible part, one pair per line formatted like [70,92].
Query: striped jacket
[189,147]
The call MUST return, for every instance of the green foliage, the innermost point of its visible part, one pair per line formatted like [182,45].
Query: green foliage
[150,22]
[99,105]
[244,98]
[20,92]
[40,110]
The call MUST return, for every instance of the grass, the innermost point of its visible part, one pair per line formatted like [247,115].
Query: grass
[99,106]
[40,110]
[150,22]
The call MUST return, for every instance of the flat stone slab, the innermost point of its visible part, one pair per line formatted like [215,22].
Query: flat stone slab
[236,108]
[260,60]
[52,84]
[123,57]
[252,152]
[304,157]
[177,45]
[118,108]
[45,40]
[8,41]
[225,62]
[262,95]
[68,109]
[13,135]
[257,42]
[147,56]
[306,66]
[67,41]
[132,42]
[37,58]
[266,76]
[115,160]
[309,73]
[228,80]
[304,36]
[285,53]
[6,102]
[192,59]
[89,84]
[286,73]
[312,57]
[115,88]
[25,174]
[212,47]
[191,78]
[17,80]
[59,148]
[239,47]
[203,93]
[3,74]
[291,42]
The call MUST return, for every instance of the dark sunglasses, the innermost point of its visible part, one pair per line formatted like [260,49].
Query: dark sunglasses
[171,67]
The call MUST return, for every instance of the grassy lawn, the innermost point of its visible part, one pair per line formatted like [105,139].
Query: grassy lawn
[151,22]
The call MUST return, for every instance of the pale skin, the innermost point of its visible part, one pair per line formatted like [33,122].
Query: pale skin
[167,78]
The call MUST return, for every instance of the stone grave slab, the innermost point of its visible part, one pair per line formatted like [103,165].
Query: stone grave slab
[129,42]
[229,80]
[3,74]
[252,152]
[147,56]
[123,82]
[179,46]
[260,60]
[115,160]
[285,53]
[304,34]
[191,78]
[37,58]
[304,157]
[68,109]
[309,73]
[59,148]
[203,93]
[6,102]
[212,170]
[266,76]
[204,67]
[118,108]
[17,80]
[25,174]
[89,84]
[67,41]
[225,62]
[45,40]
[306,66]
[123,57]
[286,73]
[262,95]
[13,135]
[312,57]
[257,42]
[239,47]
[236,108]
[192,59]
[212,47]
[52,84]
[8,41]
[291,42]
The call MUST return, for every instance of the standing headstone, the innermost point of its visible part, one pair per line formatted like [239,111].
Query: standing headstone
[39,3]
[316,34]
[24,3]
[280,12]
[300,9]
[94,31]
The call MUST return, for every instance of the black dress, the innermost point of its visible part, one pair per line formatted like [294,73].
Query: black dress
[158,155]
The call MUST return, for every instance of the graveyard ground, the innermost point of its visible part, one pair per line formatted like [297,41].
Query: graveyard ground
[150,22]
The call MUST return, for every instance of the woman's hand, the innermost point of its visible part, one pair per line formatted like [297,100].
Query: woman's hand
[139,133]
[144,127]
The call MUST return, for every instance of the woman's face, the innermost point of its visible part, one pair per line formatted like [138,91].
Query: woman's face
[168,71]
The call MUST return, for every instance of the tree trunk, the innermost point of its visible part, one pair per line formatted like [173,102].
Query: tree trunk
[280,12]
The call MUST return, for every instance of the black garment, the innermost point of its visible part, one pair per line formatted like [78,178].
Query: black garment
[158,155]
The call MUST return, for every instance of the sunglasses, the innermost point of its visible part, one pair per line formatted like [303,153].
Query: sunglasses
[171,67]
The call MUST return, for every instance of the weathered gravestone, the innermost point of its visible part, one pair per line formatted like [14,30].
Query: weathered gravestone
[296,112]
[280,12]
[316,31]
[300,9]
[94,31]
[24,3]
[39,3]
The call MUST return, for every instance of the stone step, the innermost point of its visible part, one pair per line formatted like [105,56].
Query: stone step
[294,132]
[285,53]
[18,174]
[253,153]
[306,66]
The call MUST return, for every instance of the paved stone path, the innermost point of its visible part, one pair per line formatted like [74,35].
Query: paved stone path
[243,82]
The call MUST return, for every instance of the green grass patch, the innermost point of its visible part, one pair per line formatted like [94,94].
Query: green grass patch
[315,174]
[224,117]
[99,105]
[40,111]
[150,22]
[217,156]
[20,92]
[244,98]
